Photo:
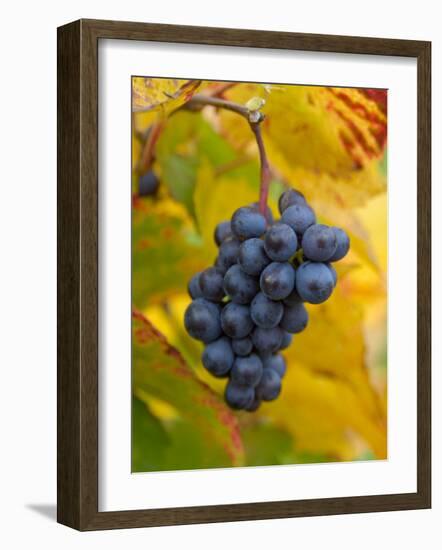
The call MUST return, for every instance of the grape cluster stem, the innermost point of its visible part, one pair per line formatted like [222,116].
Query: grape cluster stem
[199,101]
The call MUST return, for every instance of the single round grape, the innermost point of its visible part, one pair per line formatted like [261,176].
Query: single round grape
[267,340]
[286,340]
[211,283]
[193,287]
[293,298]
[222,231]
[295,318]
[319,243]
[148,184]
[265,313]
[239,397]
[236,321]
[241,287]
[202,320]
[269,386]
[333,272]
[246,371]
[268,213]
[343,241]
[247,223]
[277,280]
[280,242]
[254,405]
[314,282]
[252,257]
[228,253]
[218,357]
[289,198]
[275,362]
[299,217]
[242,346]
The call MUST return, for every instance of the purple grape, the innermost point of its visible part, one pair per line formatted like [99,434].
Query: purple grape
[343,247]
[269,386]
[294,319]
[247,223]
[236,321]
[265,313]
[314,282]
[193,287]
[202,320]
[239,397]
[267,340]
[289,198]
[242,346]
[280,242]
[222,231]
[148,184]
[299,217]
[246,371]
[218,357]
[319,242]
[252,256]
[277,280]
[286,340]
[241,287]
[275,362]
[228,253]
[211,283]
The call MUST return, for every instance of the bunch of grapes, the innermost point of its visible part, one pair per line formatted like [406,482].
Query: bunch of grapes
[247,307]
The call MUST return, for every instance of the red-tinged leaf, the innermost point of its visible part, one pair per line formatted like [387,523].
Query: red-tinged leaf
[160,371]
[332,135]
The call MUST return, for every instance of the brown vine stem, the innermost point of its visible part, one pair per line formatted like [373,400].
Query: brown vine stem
[198,101]
[266,174]
[148,152]
[254,118]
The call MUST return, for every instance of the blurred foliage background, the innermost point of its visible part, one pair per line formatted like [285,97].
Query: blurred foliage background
[330,143]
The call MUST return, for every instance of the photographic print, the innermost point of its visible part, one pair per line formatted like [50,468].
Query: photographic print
[259,274]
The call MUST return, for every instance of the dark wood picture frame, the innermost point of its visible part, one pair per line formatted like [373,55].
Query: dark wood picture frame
[77,459]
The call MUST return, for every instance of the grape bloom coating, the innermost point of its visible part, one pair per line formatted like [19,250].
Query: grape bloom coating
[247,307]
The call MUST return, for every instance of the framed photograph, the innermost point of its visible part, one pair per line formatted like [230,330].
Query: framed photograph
[243,274]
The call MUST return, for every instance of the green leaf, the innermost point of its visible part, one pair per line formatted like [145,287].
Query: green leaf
[165,251]
[160,371]
[187,139]
[267,445]
[189,134]
[383,165]
[216,198]
[179,174]
[149,439]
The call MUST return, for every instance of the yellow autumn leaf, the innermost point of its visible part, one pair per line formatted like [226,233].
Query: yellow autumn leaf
[332,355]
[348,191]
[161,94]
[323,413]
[142,121]
[334,136]
[216,198]
[351,222]
[364,284]
[136,150]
